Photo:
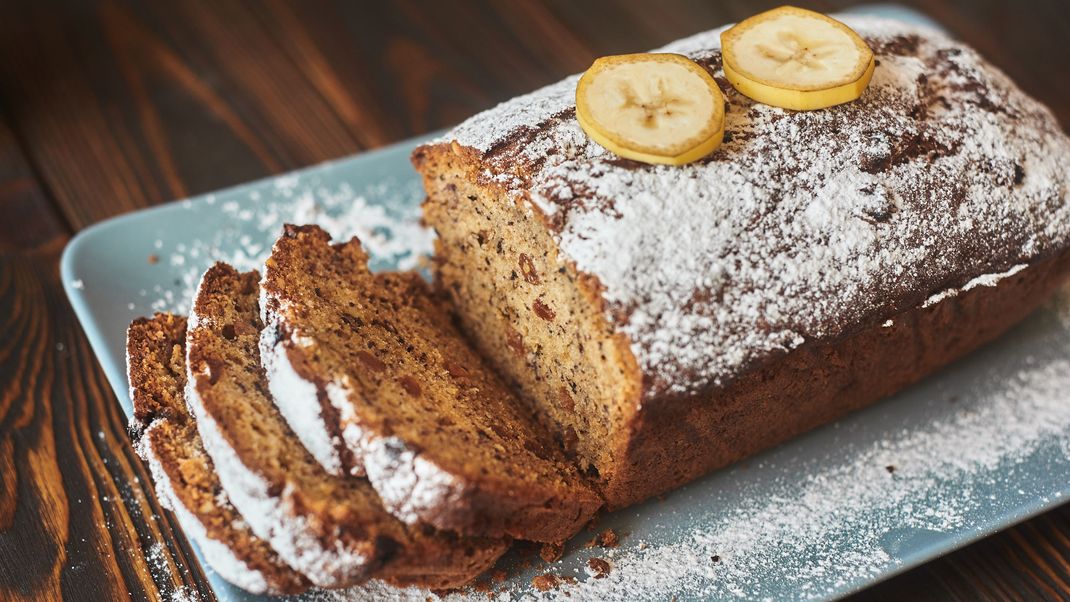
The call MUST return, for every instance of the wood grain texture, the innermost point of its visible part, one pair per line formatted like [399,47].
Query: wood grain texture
[112,105]
[75,519]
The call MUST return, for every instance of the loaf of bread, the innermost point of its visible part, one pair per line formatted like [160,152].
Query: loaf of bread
[666,321]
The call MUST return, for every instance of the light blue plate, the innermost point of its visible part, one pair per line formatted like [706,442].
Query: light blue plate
[972,450]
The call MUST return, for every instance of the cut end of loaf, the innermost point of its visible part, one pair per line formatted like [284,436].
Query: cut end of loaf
[540,321]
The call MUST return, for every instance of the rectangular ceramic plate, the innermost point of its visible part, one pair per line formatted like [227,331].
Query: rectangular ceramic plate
[980,446]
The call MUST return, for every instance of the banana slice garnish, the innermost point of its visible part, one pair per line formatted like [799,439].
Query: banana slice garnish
[654,108]
[796,59]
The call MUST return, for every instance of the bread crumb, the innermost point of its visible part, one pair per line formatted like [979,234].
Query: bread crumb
[597,568]
[551,552]
[545,583]
[607,539]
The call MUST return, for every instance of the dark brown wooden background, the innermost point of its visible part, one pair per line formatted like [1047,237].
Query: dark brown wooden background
[112,106]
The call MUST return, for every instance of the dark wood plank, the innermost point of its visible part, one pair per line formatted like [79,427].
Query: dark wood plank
[120,104]
[76,519]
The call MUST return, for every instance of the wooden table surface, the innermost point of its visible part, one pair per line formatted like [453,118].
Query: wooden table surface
[111,106]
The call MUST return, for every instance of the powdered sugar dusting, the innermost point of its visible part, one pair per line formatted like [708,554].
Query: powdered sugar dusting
[411,486]
[982,280]
[803,223]
[830,522]
[296,399]
[486,130]
[158,559]
[386,218]
[271,517]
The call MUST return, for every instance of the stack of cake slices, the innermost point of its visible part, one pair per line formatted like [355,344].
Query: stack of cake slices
[324,426]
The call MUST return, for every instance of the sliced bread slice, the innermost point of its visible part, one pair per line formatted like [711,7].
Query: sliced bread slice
[333,529]
[441,437]
[165,437]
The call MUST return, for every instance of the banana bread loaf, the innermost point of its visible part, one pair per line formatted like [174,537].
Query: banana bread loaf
[167,440]
[440,436]
[333,529]
[666,321]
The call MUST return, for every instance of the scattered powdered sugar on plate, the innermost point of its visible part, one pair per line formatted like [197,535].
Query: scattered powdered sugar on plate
[837,521]
[386,219]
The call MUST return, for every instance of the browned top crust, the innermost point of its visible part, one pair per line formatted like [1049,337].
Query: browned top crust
[804,226]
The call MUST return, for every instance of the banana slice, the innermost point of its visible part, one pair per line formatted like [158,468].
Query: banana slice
[796,59]
[654,108]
